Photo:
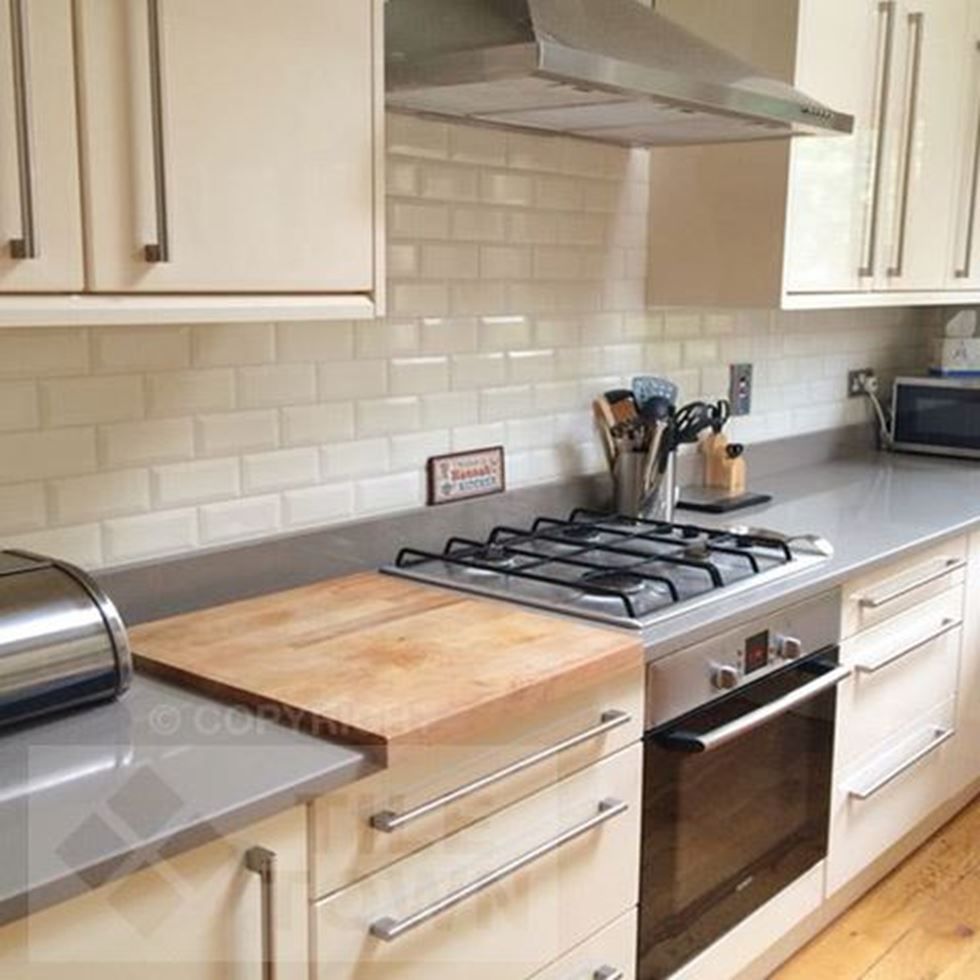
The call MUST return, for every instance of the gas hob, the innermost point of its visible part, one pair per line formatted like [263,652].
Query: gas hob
[612,569]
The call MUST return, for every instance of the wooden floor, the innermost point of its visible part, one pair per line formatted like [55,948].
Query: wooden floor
[922,922]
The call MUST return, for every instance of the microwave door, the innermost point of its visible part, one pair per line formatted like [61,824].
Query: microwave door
[937,417]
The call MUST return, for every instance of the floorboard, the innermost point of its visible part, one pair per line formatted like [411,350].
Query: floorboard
[921,922]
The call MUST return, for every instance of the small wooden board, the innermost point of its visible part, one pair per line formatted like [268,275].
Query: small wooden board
[381,661]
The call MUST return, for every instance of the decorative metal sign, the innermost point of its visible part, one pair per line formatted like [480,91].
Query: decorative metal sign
[459,476]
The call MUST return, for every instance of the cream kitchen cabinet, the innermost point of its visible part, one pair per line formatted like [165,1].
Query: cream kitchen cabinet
[231,161]
[40,207]
[899,718]
[859,220]
[965,770]
[199,916]
[963,265]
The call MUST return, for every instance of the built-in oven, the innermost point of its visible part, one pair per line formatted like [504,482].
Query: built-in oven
[737,770]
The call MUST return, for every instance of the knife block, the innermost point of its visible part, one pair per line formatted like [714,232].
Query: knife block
[720,471]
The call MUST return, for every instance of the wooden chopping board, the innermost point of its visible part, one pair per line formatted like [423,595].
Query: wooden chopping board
[381,661]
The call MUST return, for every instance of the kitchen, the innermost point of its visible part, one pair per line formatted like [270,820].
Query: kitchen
[333,649]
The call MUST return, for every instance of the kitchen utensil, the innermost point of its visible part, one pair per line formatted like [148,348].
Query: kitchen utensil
[603,408]
[622,404]
[62,642]
[647,387]
[602,417]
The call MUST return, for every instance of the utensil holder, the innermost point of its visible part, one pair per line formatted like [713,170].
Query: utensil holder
[633,497]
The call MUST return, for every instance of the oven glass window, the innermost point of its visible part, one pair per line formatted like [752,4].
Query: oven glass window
[725,830]
[938,416]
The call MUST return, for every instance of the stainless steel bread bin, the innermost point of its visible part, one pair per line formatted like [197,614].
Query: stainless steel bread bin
[62,641]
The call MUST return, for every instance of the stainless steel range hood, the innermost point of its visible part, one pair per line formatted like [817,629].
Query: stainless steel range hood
[611,70]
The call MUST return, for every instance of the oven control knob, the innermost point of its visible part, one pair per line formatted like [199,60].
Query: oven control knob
[789,648]
[725,677]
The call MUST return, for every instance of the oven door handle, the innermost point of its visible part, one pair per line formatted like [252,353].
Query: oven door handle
[685,741]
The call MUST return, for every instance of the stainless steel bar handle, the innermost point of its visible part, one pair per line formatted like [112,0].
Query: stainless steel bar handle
[608,973]
[724,734]
[388,928]
[25,247]
[158,251]
[950,565]
[966,270]
[388,820]
[948,625]
[917,24]
[262,862]
[886,11]
[940,736]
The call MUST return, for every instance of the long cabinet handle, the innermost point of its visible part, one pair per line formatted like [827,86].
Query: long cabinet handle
[917,24]
[939,737]
[948,625]
[886,12]
[389,821]
[25,247]
[158,251]
[388,929]
[262,862]
[965,270]
[950,565]
[608,973]
[685,741]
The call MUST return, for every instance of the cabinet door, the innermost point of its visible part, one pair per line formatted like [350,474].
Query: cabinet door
[966,768]
[40,207]
[194,917]
[963,268]
[923,131]
[228,145]
[835,181]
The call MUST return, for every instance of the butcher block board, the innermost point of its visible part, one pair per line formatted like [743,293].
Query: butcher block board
[381,661]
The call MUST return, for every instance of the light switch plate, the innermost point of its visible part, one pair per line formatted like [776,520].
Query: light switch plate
[740,388]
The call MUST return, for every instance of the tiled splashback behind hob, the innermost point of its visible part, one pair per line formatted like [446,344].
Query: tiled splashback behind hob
[517,280]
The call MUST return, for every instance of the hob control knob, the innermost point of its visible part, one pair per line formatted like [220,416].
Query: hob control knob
[725,677]
[789,648]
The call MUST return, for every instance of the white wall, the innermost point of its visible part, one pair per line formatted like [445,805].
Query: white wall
[517,279]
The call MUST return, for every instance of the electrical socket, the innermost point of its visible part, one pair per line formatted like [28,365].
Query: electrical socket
[857,381]
[740,388]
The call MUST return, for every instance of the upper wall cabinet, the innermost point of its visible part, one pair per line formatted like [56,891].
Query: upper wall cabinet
[230,155]
[870,219]
[40,208]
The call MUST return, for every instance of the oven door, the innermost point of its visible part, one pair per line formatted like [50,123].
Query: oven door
[937,416]
[736,807]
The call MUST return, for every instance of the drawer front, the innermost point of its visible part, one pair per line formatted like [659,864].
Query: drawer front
[886,794]
[436,790]
[883,593]
[608,955]
[975,547]
[901,669]
[502,898]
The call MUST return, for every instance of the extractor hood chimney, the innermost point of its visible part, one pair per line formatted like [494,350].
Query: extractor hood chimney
[610,70]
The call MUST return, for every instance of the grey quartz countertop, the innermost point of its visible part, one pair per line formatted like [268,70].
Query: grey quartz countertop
[872,508]
[100,793]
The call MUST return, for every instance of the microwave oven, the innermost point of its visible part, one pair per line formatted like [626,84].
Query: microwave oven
[940,416]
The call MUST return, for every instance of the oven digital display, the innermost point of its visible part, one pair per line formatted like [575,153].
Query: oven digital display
[756,652]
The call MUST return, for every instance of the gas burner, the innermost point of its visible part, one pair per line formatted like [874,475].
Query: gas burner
[689,532]
[494,557]
[585,533]
[627,583]
[698,551]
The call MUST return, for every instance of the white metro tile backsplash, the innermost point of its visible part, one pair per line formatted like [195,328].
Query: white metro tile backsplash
[517,268]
